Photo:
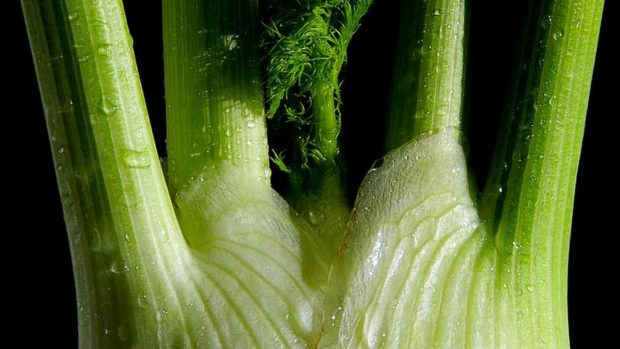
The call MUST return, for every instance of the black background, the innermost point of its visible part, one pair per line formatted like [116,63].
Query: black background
[41,299]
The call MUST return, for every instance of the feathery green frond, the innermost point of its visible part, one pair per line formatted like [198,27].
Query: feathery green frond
[306,46]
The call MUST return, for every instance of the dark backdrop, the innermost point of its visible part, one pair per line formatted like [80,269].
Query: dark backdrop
[41,299]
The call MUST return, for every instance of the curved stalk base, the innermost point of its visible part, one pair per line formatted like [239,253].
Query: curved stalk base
[420,269]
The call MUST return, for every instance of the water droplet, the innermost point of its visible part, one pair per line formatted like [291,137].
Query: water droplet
[142,301]
[558,35]
[106,332]
[316,217]
[377,164]
[437,12]
[122,335]
[251,124]
[136,158]
[73,16]
[114,268]
[107,107]
[230,41]
[546,22]
[266,173]
[59,168]
[104,49]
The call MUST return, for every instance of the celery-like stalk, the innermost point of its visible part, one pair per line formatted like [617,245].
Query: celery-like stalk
[427,91]
[214,98]
[258,268]
[427,263]
[528,199]
[126,245]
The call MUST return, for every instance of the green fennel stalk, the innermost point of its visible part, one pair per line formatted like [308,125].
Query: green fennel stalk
[464,271]
[209,255]
[125,241]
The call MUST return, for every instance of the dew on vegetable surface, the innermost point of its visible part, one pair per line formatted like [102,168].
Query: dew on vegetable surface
[104,49]
[316,217]
[74,16]
[122,333]
[377,164]
[107,107]
[136,158]
[114,269]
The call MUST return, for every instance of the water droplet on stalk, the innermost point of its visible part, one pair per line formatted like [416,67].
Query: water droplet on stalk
[104,49]
[73,16]
[316,217]
[114,268]
[136,158]
[377,164]
[107,107]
